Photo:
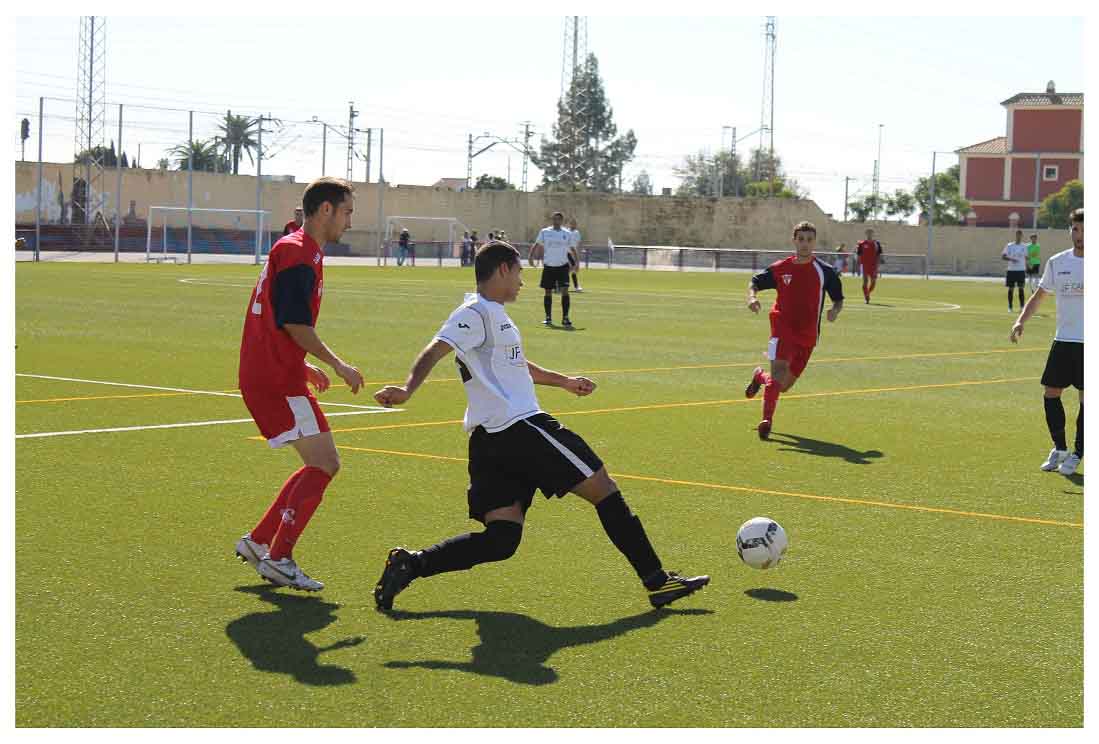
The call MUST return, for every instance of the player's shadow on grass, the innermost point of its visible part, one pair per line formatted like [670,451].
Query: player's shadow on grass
[275,641]
[570,329]
[1077,479]
[516,647]
[818,447]
[771,595]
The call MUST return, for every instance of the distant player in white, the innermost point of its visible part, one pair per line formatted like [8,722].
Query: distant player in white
[574,255]
[1064,277]
[553,244]
[515,448]
[1015,254]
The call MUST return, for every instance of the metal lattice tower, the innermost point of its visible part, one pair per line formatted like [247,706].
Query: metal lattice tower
[767,112]
[91,117]
[574,122]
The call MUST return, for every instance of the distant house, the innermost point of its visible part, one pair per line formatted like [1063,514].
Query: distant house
[1004,179]
[454,184]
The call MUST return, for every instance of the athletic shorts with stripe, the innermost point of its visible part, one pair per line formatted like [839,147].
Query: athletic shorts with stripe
[533,453]
[283,416]
[796,355]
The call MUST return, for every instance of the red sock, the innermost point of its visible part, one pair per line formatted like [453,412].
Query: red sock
[264,532]
[770,399]
[765,378]
[302,501]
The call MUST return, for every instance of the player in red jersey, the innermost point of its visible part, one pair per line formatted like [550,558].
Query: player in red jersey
[274,378]
[869,253]
[801,281]
[293,225]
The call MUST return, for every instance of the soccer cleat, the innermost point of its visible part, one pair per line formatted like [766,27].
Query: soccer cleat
[566,323]
[1053,462]
[547,321]
[755,384]
[1068,467]
[676,587]
[285,572]
[250,551]
[764,429]
[398,574]
[578,289]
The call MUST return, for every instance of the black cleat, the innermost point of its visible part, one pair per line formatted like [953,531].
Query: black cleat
[566,323]
[764,429]
[398,574]
[547,322]
[755,384]
[676,587]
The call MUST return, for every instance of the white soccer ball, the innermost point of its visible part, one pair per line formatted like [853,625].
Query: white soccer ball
[761,542]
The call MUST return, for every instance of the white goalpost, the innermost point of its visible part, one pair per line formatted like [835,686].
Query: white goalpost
[258,221]
[452,226]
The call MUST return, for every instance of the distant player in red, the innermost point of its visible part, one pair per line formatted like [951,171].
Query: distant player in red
[869,253]
[274,378]
[293,225]
[801,282]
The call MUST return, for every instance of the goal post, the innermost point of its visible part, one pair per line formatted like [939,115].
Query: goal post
[436,226]
[223,229]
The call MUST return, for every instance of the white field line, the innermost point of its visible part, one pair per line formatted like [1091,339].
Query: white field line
[180,390]
[37,435]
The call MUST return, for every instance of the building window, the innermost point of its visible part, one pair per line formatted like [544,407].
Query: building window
[1049,172]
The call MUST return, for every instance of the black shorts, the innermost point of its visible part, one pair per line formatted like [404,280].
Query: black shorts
[1033,270]
[555,277]
[1064,365]
[534,453]
[1016,278]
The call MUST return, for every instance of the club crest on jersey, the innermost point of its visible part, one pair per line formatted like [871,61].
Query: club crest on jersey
[787,278]
[317,258]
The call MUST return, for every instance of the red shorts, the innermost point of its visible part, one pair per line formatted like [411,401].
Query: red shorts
[870,271]
[284,416]
[796,355]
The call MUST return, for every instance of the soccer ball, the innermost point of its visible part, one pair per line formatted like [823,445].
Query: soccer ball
[761,542]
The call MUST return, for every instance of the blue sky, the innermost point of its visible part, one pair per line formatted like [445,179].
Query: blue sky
[935,83]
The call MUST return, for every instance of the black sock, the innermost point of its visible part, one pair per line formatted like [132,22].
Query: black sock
[1055,420]
[1009,306]
[498,542]
[1080,431]
[1020,297]
[576,281]
[565,302]
[624,529]
[547,302]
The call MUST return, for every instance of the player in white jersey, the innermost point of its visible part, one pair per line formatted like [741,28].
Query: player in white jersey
[552,244]
[514,446]
[1015,254]
[1063,277]
[574,255]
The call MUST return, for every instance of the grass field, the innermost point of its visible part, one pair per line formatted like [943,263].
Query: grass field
[934,577]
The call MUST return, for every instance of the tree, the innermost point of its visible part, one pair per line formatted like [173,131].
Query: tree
[485,182]
[1057,208]
[105,156]
[642,184]
[585,153]
[237,138]
[950,207]
[125,162]
[899,204]
[164,164]
[699,175]
[203,153]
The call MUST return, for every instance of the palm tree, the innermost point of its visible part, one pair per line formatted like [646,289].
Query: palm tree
[204,154]
[237,136]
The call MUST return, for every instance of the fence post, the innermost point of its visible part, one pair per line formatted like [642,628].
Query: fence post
[680,259]
[645,257]
[38,207]
[190,176]
[259,190]
[118,189]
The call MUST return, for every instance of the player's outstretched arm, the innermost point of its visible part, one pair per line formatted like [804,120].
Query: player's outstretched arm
[1029,309]
[392,395]
[306,337]
[576,385]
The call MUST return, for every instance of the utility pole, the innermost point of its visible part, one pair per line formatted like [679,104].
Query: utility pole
[877,172]
[352,113]
[526,151]
[369,146]
[846,182]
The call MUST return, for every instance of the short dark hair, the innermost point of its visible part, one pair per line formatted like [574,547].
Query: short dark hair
[1078,215]
[558,214]
[804,226]
[492,255]
[327,189]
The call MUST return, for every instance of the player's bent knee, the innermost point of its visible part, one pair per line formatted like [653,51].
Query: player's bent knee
[503,539]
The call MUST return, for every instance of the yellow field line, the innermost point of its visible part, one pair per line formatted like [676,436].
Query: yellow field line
[726,401]
[746,489]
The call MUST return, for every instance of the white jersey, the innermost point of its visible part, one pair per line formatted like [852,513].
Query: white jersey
[574,240]
[1017,252]
[557,244]
[1064,277]
[491,363]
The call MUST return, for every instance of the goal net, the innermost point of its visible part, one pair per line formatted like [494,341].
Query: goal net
[429,238]
[170,237]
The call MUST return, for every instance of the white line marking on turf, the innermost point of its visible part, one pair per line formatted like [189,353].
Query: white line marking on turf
[40,434]
[181,390]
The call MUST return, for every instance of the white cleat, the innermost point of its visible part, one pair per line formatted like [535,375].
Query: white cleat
[250,551]
[1056,457]
[1068,467]
[284,572]
[578,289]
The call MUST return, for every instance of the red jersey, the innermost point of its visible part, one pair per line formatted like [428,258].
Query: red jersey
[868,252]
[288,291]
[797,311]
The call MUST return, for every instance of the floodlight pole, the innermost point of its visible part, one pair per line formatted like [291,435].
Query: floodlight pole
[190,176]
[259,187]
[38,206]
[118,188]
[930,218]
